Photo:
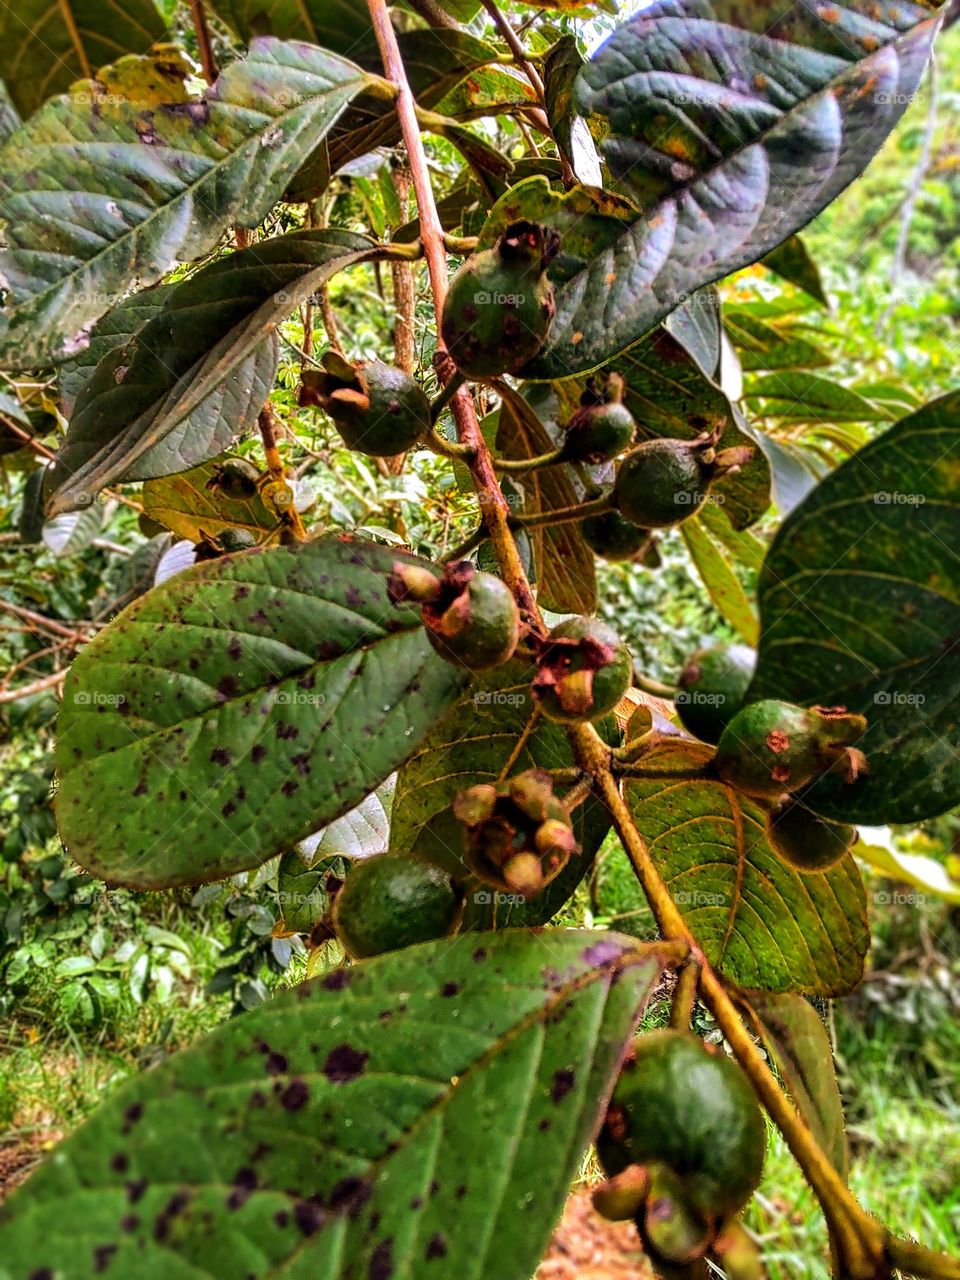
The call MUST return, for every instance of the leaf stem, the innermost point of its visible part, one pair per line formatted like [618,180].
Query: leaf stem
[445,396]
[204,44]
[495,510]
[523,465]
[268,422]
[685,996]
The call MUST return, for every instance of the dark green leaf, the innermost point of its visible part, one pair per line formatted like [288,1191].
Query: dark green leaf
[124,183]
[337,25]
[766,346]
[198,372]
[436,61]
[731,125]
[718,576]
[761,923]
[860,607]
[796,1037]
[493,731]
[791,261]
[41,56]
[796,396]
[695,324]
[561,65]
[315,1137]
[237,708]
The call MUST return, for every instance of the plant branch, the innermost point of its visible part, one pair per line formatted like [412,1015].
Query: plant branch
[523,465]
[861,1238]
[562,515]
[496,510]
[205,45]
[268,423]
[915,1260]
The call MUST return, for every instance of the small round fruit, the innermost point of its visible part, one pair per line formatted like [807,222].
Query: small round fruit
[499,306]
[713,685]
[773,747]
[236,539]
[235,478]
[660,483]
[474,621]
[613,536]
[694,1112]
[599,433]
[378,409]
[389,902]
[806,841]
[583,671]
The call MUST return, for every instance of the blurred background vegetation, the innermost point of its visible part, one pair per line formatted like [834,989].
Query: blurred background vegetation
[96,983]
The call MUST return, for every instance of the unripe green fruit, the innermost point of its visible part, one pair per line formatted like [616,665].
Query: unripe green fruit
[671,1229]
[620,1197]
[378,409]
[499,306]
[583,672]
[235,478]
[660,483]
[713,685]
[693,1111]
[236,539]
[806,841]
[599,432]
[614,537]
[390,902]
[473,622]
[772,747]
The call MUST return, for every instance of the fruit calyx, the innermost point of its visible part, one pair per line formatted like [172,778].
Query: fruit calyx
[377,408]
[519,835]
[603,427]
[583,671]
[471,618]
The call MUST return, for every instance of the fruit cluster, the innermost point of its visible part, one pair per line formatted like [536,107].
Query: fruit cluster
[682,1145]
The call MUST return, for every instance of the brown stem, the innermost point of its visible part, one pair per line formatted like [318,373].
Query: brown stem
[914,1260]
[494,506]
[25,690]
[512,41]
[562,515]
[207,61]
[551,459]
[66,16]
[860,1237]
[268,423]
[329,320]
[685,996]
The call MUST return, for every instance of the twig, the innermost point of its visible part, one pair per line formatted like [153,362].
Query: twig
[205,45]
[496,511]
[25,690]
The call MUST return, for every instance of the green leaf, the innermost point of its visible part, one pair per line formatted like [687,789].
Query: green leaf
[436,62]
[796,396]
[493,731]
[797,1039]
[761,923]
[561,66]
[129,184]
[193,506]
[198,372]
[41,55]
[360,833]
[71,533]
[337,25]
[731,126]
[314,1136]
[792,262]
[113,330]
[695,324]
[766,346]
[235,709]
[860,607]
[718,576]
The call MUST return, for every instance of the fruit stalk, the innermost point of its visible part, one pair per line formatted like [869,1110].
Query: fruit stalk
[494,507]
